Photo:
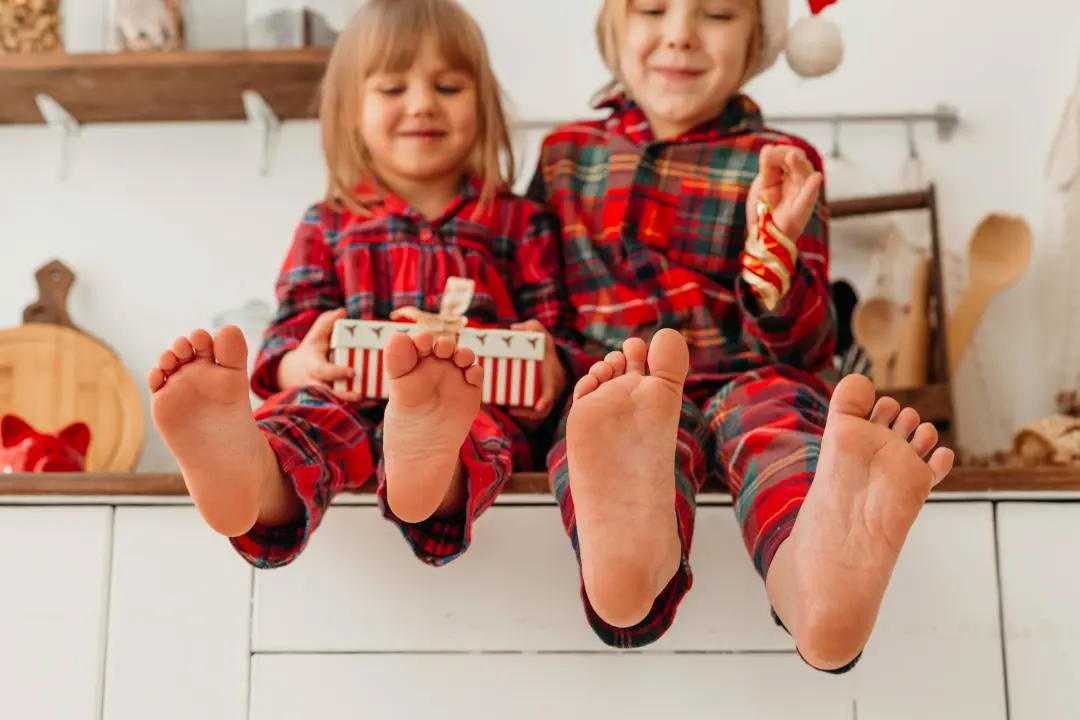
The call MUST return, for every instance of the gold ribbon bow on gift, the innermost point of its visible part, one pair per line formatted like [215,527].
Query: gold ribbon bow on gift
[450,320]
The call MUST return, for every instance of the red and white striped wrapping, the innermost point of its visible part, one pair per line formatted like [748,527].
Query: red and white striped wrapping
[511,359]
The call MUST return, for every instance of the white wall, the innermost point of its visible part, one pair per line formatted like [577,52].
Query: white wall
[150,215]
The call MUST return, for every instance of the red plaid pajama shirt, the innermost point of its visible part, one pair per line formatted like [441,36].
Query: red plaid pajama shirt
[652,234]
[372,266]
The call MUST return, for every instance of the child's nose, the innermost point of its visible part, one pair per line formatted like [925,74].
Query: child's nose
[679,30]
[421,100]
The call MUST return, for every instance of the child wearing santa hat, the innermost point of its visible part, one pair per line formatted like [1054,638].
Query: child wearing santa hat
[695,241]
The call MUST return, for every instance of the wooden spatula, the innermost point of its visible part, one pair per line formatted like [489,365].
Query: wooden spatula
[998,254]
[913,354]
[875,325]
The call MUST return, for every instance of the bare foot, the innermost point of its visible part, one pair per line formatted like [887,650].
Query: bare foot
[200,405]
[621,438]
[434,398]
[829,577]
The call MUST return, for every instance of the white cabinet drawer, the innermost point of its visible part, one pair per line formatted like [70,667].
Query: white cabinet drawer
[540,687]
[54,578]
[179,622]
[1040,597]
[358,588]
[936,650]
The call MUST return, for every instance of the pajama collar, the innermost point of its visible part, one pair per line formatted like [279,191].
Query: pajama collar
[740,115]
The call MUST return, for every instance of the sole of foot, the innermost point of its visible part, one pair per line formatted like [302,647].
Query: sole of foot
[621,440]
[434,397]
[200,404]
[877,467]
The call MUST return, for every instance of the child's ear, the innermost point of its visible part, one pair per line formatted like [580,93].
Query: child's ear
[13,430]
[77,435]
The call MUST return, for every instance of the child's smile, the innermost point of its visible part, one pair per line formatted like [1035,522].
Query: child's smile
[681,60]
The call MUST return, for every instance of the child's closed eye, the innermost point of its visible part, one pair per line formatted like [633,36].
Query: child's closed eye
[653,8]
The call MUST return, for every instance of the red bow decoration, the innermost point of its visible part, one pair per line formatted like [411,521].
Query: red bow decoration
[817,6]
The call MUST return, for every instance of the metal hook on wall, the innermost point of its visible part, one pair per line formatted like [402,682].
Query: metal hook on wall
[913,173]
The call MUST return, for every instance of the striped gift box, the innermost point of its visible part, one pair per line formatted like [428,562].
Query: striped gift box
[511,359]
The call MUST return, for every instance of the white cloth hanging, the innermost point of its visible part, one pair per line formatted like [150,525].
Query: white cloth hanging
[1060,238]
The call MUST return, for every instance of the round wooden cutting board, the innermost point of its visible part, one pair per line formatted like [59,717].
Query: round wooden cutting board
[53,374]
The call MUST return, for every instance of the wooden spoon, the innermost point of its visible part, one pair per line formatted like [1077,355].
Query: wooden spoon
[913,353]
[998,254]
[875,325]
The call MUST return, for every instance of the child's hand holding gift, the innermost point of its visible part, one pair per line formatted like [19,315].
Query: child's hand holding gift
[309,364]
[778,207]
[552,379]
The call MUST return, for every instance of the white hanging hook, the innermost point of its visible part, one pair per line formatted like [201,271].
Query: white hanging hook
[913,153]
[60,120]
[265,122]
[836,139]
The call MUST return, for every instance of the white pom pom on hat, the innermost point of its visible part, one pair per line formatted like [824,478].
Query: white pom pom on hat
[813,45]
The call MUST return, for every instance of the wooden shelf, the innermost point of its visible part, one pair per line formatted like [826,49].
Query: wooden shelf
[160,87]
[961,480]
[878,204]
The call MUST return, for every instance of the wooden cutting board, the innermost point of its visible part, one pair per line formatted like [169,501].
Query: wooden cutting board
[52,374]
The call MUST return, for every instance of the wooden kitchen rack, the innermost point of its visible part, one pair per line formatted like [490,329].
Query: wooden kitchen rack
[933,401]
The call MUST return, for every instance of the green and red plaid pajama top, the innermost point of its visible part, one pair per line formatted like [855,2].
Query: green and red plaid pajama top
[652,233]
[372,266]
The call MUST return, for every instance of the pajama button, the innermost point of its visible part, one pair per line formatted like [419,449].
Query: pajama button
[425,234]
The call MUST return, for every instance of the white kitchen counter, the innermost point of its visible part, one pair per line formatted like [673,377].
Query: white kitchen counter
[130,608]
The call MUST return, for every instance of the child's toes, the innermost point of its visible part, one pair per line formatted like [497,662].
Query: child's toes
[202,344]
[941,462]
[181,348]
[400,355]
[924,440]
[602,372]
[444,348]
[464,357]
[474,375]
[168,362]
[155,379]
[635,350]
[424,342]
[884,411]
[617,361]
[585,386]
[906,422]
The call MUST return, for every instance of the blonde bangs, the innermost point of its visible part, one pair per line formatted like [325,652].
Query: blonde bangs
[383,36]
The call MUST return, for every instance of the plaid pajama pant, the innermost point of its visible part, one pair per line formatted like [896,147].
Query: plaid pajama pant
[761,435]
[326,446]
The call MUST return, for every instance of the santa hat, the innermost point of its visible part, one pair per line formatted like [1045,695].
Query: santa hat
[813,45]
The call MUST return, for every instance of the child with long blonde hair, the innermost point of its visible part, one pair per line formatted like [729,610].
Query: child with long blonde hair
[697,239]
[415,141]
